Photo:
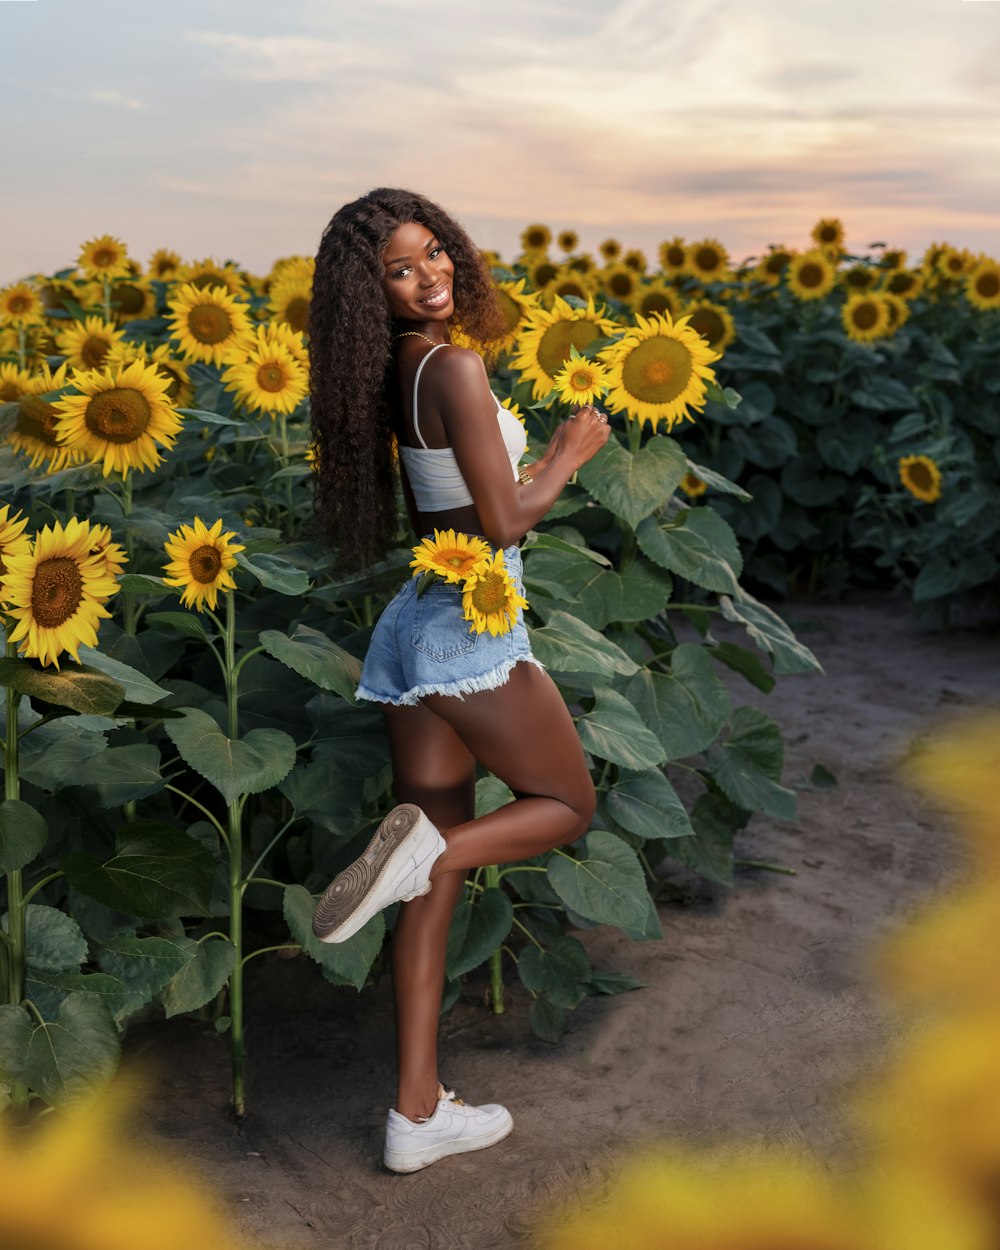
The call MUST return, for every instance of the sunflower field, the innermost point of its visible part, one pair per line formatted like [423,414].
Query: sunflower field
[185,764]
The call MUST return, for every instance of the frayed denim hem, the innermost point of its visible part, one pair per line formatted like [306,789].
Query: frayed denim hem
[463,686]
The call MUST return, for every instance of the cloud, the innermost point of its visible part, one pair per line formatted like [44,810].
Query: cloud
[286,58]
[117,98]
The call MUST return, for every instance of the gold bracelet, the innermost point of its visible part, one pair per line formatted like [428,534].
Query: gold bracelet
[523,476]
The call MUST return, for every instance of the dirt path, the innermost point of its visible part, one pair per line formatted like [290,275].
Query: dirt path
[757,1010]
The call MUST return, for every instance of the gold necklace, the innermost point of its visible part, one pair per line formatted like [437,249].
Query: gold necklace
[418,335]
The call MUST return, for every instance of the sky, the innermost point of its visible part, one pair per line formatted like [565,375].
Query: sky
[234,129]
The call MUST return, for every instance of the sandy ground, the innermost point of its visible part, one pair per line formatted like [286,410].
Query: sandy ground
[756,1016]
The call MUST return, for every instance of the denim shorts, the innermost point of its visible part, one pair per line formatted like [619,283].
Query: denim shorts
[423,645]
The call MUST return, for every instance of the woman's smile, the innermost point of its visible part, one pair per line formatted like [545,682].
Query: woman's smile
[418,276]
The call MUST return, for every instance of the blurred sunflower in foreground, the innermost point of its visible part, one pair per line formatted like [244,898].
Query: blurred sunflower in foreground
[927,1169]
[75,1181]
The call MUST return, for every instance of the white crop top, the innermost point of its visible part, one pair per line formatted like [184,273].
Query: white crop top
[433,473]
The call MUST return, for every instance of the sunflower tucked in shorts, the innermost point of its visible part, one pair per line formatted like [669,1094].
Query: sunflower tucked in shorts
[422,645]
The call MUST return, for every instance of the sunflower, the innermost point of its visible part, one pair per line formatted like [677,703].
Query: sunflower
[954,263]
[709,260]
[268,378]
[289,301]
[657,297]
[693,485]
[635,259]
[180,389]
[860,278]
[35,423]
[921,477]
[673,256]
[713,322]
[536,238]
[581,381]
[132,300]
[119,417]
[452,556]
[200,561]
[112,553]
[86,343]
[906,283]
[898,309]
[982,285]
[14,382]
[584,263]
[811,275]
[770,267]
[541,271]
[206,322]
[893,258]
[544,346]
[828,232]
[866,317]
[619,282]
[490,599]
[56,592]
[204,274]
[567,240]
[104,257]
[21,306]
[13,540]
[164,264]
[658,371]
[610,249]
[568,282]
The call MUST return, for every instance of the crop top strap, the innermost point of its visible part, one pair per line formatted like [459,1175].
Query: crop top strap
[416,379]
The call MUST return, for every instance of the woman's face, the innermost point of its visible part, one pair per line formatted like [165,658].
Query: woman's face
[418,276]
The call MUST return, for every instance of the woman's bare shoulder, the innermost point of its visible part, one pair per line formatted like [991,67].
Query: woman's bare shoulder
[457,364]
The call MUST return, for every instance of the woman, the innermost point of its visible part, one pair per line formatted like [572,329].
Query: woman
[392,273]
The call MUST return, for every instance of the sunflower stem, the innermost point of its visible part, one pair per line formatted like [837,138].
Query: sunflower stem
[14,948]
[22,347]
[235,819]
[126,502]
[107,298]
[496,959]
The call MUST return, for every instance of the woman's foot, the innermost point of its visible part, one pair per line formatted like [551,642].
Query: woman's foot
[454,1128]
[395,865]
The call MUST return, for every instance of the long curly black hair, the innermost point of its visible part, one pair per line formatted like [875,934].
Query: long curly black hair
[350,355]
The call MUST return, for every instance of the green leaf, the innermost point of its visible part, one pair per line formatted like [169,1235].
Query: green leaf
[156,871]
[83,690]
[709,851]
[547,1020]
[206,971]
[247,765]
[539,540]
[491,793]
[273,573]
[560,972]
[317,658]
[52,939]
[186,623]
[613,983]
[718,482]
[124,774]
[211,418]
[770,633]
[69,1057]
[143,965]
[607,886]
[685,707]
[566,644]
[344,963]
[614,731]
[48,989]
[748,765]
[479,925]
[696,544]
[138,687]
[742,661]
[642,591]
[142,583]
[15,1038]
[822,779]
[631,484]
[23,834]
[648,806]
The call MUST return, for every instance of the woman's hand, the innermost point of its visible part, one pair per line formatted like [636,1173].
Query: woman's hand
[583,435]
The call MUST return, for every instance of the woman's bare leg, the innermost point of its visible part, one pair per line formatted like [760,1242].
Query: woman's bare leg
[523,733]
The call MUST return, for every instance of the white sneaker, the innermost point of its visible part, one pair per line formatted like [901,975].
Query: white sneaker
[453,1129]
[395,865]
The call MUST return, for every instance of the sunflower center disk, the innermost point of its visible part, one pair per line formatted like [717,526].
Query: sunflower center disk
[93,352]
[920,477]
[811,275]
[37,419]
[657,370]
[18,304]
[865,316]
[103,258]
[491,593]
[119,415]
[205,563]
[988,285]
[56,591]
[511,311]
[581,381]
[208,323]
[129,298]
[553,348]
[271,377]
[707,259]
[297,313]
[708,324]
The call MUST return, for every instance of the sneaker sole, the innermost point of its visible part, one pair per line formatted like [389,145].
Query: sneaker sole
[414,1160]
[347,903]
